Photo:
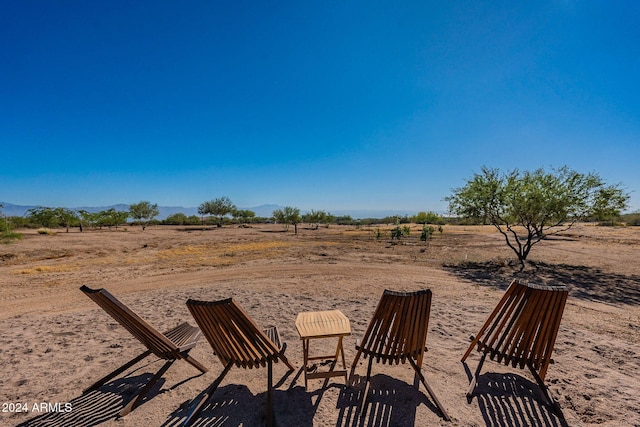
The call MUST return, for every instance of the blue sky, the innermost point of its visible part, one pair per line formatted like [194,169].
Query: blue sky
[327,105]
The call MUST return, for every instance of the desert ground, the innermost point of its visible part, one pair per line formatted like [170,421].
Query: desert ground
[55,341]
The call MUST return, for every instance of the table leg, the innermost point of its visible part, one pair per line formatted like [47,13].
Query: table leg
[305,356]
[344,364]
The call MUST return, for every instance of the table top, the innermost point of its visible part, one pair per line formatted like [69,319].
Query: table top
[322,324]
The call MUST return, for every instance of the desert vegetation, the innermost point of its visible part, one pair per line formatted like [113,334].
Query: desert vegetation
[538,203]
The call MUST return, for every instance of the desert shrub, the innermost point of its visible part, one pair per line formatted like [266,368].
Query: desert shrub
[46,231]
[377,233]
[427,232]
[8,236]
[631,219]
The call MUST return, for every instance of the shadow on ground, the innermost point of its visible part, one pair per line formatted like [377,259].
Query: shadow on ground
[97,406]
[512,400]
[235,405]
[390,402]
[583,282]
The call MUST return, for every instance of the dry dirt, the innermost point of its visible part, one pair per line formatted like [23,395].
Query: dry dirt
[55,341]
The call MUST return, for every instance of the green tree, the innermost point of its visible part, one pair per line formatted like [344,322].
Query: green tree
[43,216]
[143,212]
[344,220]
[540,203]
[87,218]
[218,208]
[53,217]
[288,215]
[316,218]
[428,218]
[243,215]
[66,217]
[177,218]
[113,218]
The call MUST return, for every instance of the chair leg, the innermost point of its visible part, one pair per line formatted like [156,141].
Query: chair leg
[270,416]
[353,368]
[367,384]
[198,404]
[474,379]
[286,361]
[431,393]
[117,372]
[137,399]
[185,355]
[545,391]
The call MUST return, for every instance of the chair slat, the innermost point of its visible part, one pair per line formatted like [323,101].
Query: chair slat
[232,334]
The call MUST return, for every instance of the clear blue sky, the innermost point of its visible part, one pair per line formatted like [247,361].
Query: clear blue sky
[319,105]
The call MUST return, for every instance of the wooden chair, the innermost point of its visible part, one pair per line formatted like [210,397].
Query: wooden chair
[170,346]
[522,331]
[236,340]
[397,333]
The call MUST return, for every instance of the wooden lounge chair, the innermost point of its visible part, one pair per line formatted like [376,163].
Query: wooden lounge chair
[170,346]
[522,331]
[397,333]
[236,340]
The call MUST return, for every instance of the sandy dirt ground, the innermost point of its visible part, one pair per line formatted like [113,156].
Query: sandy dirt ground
[55,341]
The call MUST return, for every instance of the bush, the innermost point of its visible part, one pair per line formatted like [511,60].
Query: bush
[427,232]
[377,232]
[8,236]
[46,231]
[631,219]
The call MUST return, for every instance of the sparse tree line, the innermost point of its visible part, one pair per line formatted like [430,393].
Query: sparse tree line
[525,207]
[216,212]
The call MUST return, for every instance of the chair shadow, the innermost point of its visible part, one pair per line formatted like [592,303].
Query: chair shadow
[390,402]
[97,406]
[234,405]
[512,400]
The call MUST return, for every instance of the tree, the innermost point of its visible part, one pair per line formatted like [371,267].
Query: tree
[428,218]
[177,218]
[219,208]
[66,217]
[53,217]
[288,215]
[143,212]
[540,203]
[112,218]
[43,216]
[87,218]
[344,220]
[316,218]
[243,215]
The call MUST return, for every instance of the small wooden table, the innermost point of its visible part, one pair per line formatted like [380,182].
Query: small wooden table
[323,324]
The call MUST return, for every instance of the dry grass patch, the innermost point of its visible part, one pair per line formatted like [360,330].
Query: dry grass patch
[63,268]
[222,254]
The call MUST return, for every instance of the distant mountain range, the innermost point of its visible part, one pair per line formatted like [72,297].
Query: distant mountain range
[265,211]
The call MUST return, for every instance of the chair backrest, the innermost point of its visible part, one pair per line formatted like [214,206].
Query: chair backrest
[233,335]
[523,327]
[399,326]
[150,337]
